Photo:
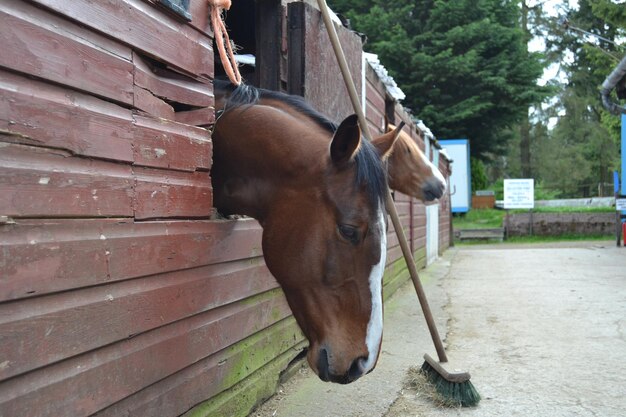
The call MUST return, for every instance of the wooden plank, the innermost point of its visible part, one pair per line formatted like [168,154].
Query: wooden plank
[495,233]
[45,256]
[39,182]
[38,43]
[268,23]
[375,96]
[171,86]
[296,48]
[203,117]
[324,89]
[199,10]
[37,113]
[44,330]
[167,144]
[376,117]
[88,383]
[161,194]
[145,28]
[216,374]
[151,104]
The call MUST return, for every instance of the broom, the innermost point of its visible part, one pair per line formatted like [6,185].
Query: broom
[455,387]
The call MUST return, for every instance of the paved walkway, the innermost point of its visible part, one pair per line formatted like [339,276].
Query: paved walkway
[541,328]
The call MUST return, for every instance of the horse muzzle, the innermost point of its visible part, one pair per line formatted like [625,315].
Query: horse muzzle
[327,374]
[433,189]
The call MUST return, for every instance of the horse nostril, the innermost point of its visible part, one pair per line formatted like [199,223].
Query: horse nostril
[322,365]
[356,369]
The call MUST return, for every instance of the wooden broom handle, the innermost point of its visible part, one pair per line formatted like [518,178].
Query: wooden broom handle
[391,207]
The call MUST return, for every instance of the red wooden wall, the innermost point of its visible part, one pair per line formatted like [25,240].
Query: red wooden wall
[121,293]
[313,69]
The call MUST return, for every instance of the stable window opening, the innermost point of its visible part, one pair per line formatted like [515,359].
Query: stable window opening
[255,27]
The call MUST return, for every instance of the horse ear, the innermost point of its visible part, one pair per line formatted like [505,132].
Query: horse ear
[384,143]
[346,141]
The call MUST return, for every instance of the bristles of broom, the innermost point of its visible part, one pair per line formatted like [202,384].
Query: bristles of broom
[455,388]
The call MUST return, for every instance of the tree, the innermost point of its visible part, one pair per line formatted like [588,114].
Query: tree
[587,135]
[464,64]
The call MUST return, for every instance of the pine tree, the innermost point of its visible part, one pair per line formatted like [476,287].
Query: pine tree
[587,135]
[463,64]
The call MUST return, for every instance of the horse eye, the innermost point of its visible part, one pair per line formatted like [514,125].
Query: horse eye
[350,233]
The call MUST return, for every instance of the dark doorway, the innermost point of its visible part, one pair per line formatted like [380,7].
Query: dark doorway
[255,26]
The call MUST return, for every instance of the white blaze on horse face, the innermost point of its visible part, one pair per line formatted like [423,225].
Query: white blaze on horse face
[434,170]
[374,334]
[437,174]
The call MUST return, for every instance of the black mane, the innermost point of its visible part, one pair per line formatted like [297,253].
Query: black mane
[370,171]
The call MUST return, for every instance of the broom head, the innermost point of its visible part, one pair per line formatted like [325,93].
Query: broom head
[453,387]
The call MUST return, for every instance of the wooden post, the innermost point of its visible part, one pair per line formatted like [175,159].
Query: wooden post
[618,223]
[506,224]
[268,15]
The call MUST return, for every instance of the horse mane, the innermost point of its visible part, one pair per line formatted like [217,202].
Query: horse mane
[370,171]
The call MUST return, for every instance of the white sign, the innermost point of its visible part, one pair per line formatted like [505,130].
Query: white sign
[519,194]
[620,204]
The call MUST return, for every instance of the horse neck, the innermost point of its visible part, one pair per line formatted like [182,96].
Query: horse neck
[262,153]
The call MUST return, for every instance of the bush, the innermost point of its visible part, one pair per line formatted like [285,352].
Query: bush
[479,174]
[542,193]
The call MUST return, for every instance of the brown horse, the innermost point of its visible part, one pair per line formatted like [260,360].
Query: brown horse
[318,191]
[410,171]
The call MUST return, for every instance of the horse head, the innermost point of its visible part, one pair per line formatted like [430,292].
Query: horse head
[319,197]
[410,171]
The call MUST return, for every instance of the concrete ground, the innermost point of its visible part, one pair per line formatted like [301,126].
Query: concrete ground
[541,328]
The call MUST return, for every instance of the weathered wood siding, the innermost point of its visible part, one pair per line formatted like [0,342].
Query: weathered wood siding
[313,71]
[119,292]
[445,213]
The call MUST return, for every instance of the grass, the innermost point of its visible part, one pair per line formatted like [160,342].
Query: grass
[560,238]
[417,382]
[479,219]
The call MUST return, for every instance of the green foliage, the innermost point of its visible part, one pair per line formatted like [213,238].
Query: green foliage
[609,11]
[467,72]
[575,157]
[561,238]
[498,188]
[585,142]
[478,174]
[542,193]
[463,64]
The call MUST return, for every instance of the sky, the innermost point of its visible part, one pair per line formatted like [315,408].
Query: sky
[555,9]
